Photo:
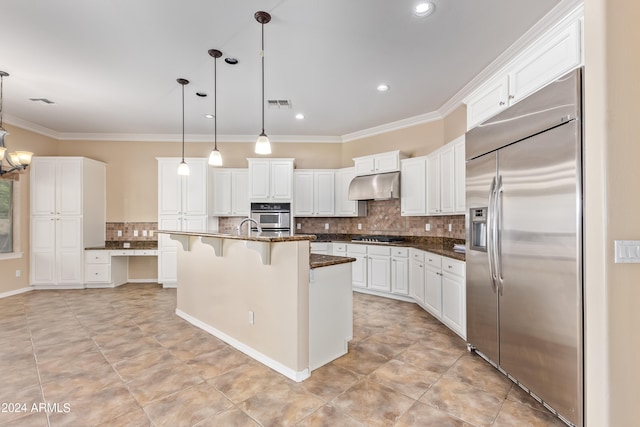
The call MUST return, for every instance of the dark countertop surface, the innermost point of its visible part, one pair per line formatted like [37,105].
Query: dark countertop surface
[254,236]
[437,245]
[319,260]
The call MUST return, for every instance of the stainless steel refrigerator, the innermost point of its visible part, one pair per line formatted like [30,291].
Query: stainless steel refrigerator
[524,244]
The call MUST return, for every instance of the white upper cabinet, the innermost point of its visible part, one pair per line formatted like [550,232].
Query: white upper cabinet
[413,186]
[459,175]
[433,183]
[554,54]
[57,187]
[230,189]
[270,179]
[343,206]
[314,193]
[378,163]
[183,196]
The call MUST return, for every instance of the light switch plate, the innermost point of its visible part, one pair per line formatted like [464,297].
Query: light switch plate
[627,251]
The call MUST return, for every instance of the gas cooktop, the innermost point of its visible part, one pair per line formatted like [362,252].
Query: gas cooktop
[378,239]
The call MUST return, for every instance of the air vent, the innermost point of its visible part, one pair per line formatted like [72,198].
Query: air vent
[279,103]
[45,100]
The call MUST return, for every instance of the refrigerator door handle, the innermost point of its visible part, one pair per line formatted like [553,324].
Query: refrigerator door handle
[491,235]
[497,229]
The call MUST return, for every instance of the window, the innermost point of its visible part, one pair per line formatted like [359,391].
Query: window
[6,216]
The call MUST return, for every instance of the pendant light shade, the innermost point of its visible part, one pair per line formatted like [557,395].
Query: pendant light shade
[215,158]
[263,146]
[183,168]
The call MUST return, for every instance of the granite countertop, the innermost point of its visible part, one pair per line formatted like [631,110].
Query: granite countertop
[113,245]
[264,236]
[319,260]
[437,245]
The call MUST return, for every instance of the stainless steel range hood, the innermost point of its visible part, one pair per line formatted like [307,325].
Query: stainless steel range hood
[382,186]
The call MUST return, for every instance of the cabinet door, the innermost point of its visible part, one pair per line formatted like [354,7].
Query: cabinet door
[69,187]
[387,162]
[221,193]
[416,280]
[453,303]
[259,179]
[489,100]
[240,192]
[70,259]
[364,166]
[168,266]
[379,273]
[400,275]
[433,291]
[359,270]
[304,193]
[447,176]
[43,186]
[194,223]
[170,223]
[546,61]
[169,187]
[281,179]
[413,181]
[43,250]
[194,188]
[344,206]
[323,189]
[433,184]
[459,175]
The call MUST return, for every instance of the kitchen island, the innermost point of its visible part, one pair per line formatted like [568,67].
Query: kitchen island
[266,296]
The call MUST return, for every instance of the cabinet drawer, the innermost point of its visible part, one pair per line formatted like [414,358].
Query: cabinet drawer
[417,255]
[357,249]
[320,247]
[339,247]
[433,260]
[400,252]
[97,273]
[145,252]
[123,252]
[379,250]
[97,257]
[453,266]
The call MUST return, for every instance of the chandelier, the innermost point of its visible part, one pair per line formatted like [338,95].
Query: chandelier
[17,160]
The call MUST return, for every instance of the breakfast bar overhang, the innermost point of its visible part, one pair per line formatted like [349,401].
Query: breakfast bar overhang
[267,296]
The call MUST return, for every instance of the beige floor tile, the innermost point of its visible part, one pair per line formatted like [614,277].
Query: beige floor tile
[330,416]
[89,363]
[359,361]
[18,404]
[135,418]
[187,407]
[473,370]
[215,363]
[284,405]
[463,401]
[250,379]
[329,381]
[232,417]
[424,415]
[514,413]
[386,345]
[30,419]
[404,378]
[65,351]
[163,382]
[372,403]
[425,357]
[145,364]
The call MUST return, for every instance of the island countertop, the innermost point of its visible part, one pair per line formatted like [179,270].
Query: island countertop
[321,260]
[264,236]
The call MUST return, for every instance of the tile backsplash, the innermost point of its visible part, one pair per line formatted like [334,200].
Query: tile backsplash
[384,218]
[129,230]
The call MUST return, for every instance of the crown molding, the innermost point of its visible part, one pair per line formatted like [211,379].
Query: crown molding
[32,127]
[388,127]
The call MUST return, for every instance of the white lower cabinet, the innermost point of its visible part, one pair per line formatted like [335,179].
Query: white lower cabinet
[400,271]
[454,296]
[321,248]
[379,268]
[416,275]
[359,267]
[109,268]
[433,284]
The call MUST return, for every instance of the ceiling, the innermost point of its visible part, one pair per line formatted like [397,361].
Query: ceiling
[110,66]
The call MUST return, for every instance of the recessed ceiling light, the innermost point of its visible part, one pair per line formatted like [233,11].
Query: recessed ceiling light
[231,61]
[383,88]
[299,116]
[424,9]
[209,116]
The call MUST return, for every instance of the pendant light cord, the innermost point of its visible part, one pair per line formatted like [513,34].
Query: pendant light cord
[262,54]
[215,104]
[182,123]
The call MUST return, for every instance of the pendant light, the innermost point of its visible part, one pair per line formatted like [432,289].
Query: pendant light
[18,160]
[263,146]
[215,158]
[183,168]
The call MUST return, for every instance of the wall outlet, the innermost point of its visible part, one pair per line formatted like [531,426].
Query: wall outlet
[135,233]
[326,226]
[144,233]
[359,226]
[126,245]
[18,273]
[150,233]
[251,317]
[427,227]
[299,226]
[450,227]
[119,233]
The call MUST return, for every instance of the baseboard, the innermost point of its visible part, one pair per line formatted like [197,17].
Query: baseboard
[15,292]
[170,285]
[142,280]
[296,376]
[57,287]
[384,295]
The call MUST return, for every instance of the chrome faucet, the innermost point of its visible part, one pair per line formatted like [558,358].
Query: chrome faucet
[239,227]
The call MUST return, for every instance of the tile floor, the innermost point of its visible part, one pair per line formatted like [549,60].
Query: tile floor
[121,357]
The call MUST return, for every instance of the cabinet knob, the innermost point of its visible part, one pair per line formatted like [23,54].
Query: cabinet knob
[501,103]
[511,96]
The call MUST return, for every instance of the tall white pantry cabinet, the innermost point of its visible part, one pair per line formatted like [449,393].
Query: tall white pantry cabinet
[68,213]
